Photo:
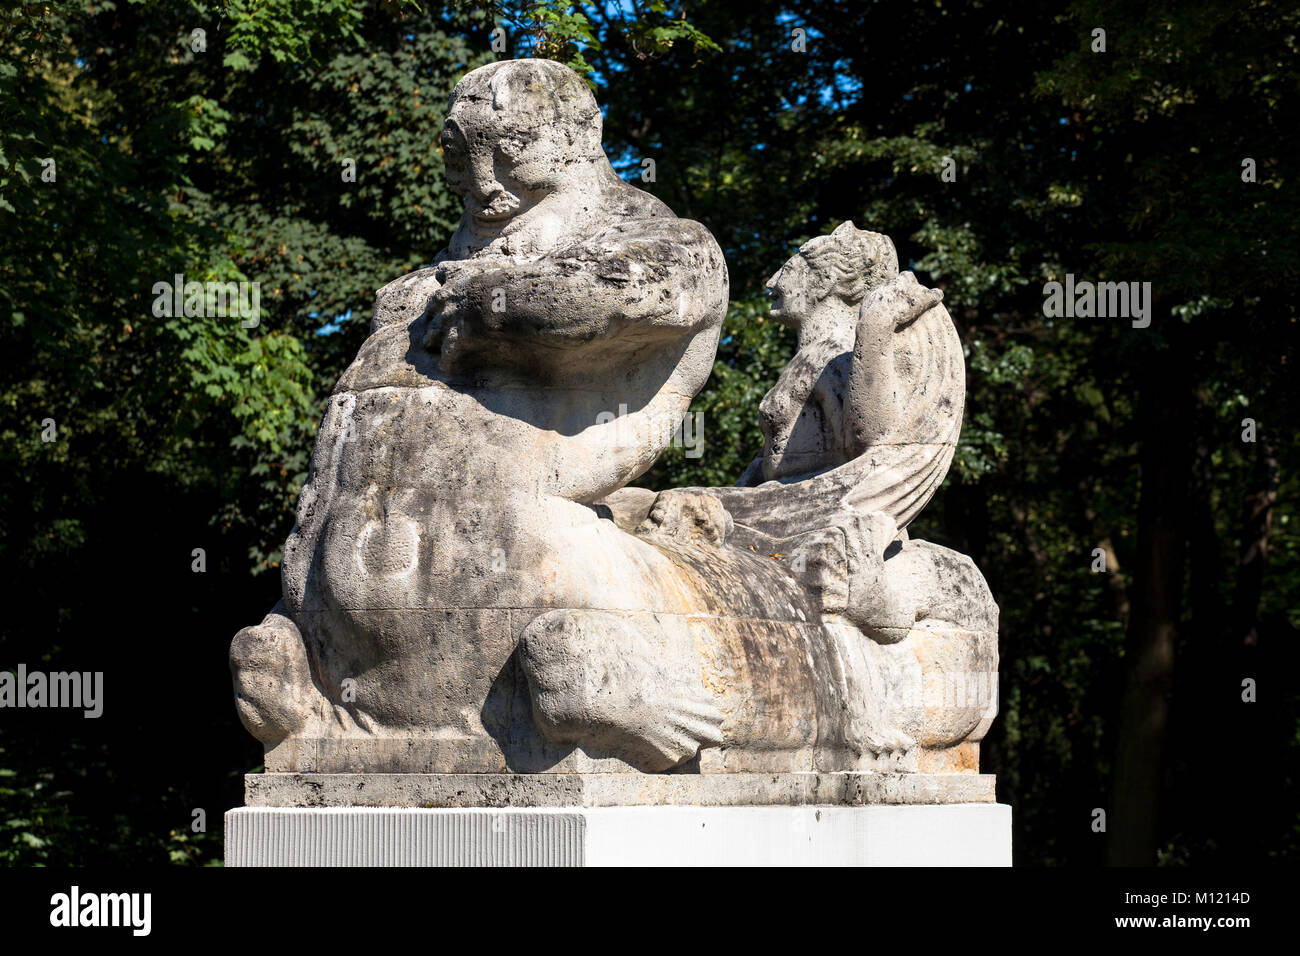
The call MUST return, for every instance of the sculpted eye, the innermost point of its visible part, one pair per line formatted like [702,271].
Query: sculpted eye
[511,147]
[452,140]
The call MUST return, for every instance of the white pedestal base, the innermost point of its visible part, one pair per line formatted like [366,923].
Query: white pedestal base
[963,834]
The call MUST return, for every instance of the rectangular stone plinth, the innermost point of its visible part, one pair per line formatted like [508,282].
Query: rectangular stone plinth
[613,789]
[936,835]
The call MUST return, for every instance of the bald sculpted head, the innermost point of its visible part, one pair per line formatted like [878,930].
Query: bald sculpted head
[516,131]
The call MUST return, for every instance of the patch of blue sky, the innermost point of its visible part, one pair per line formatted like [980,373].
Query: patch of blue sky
[334,325]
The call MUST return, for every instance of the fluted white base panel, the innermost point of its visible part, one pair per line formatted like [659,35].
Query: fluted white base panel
[964,834]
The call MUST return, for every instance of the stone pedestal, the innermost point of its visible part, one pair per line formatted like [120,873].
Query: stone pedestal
[962,834]
[801,819]
[591,790]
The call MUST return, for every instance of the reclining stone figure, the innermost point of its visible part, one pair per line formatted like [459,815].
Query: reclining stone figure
[471,587]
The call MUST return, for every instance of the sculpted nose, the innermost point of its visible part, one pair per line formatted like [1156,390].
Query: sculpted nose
[483,180]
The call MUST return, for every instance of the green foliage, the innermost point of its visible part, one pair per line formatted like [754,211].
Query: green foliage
[751,353]
[168,162]
[42,822]
[563,31]
[289,31]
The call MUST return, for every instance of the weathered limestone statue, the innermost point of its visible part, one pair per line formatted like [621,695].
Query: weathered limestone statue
[473,588]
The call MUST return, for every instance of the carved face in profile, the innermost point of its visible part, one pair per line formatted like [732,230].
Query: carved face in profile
[845,264]
[513,133]
[790,288]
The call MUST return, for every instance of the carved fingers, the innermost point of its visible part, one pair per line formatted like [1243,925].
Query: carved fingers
[898,304]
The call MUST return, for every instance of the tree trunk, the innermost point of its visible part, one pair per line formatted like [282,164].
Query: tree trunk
[1206,608]
[1165,413]
[1099,536]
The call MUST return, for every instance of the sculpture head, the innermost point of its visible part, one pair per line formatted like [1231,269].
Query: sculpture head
[515,132]
[846,265]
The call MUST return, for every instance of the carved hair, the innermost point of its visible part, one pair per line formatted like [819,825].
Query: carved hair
[850,262]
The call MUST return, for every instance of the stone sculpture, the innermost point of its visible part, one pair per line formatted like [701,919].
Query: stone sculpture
[473,587]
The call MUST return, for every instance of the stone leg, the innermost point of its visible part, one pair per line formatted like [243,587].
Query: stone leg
[274,692]
[620,685]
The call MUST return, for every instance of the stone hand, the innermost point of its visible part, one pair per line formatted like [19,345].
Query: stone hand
[458,299]
[274,692]
[448,306]
[876,602]
[897,304]
[449,269]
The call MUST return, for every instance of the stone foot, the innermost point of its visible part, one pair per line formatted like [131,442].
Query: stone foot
[274,693]
[608,683]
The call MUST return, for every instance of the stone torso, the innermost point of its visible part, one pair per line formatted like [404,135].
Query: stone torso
[802,416]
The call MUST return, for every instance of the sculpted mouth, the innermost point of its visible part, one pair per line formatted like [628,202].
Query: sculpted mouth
[496,211]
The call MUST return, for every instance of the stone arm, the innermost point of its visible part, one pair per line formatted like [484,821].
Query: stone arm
[871,395]
[635,283]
